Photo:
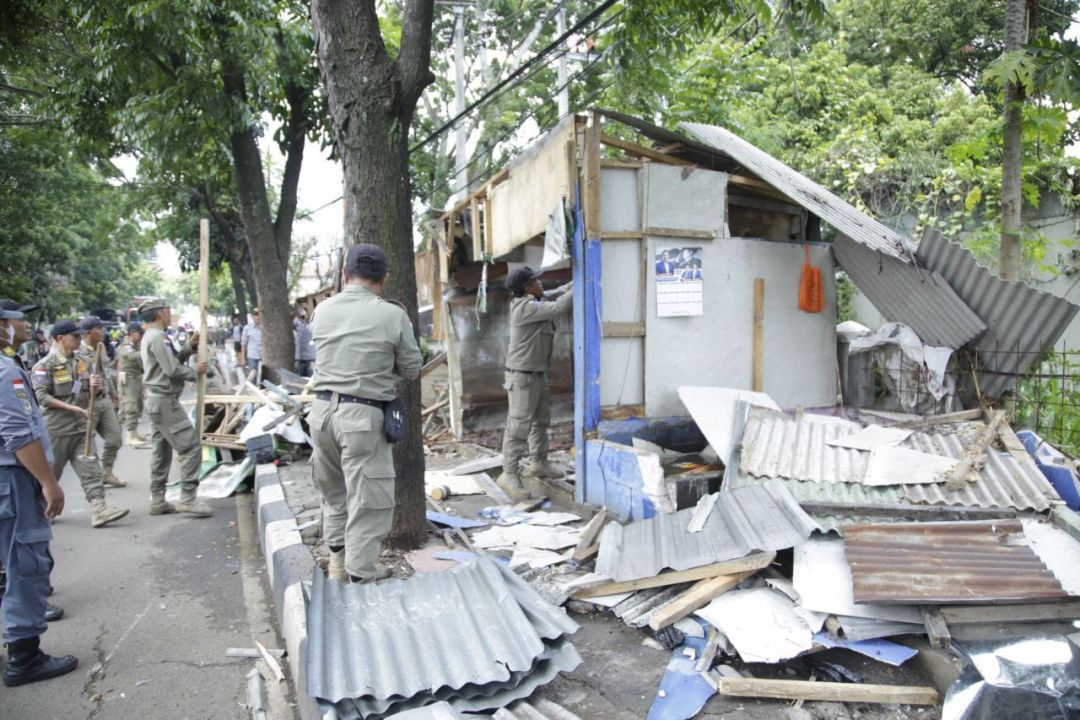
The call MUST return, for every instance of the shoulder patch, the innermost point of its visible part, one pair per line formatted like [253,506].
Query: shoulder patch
[9,351]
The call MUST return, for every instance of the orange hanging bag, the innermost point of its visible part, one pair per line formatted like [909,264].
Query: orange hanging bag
[811,292]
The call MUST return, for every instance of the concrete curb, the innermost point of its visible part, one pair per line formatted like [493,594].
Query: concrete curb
[288,564]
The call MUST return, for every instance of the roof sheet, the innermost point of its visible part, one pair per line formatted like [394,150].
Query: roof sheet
[1022,323]
[834,210]
[474,625]
[905,293]
[778,446]
[946,562]
[762,517]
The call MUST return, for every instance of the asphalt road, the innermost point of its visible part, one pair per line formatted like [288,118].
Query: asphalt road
[152,604]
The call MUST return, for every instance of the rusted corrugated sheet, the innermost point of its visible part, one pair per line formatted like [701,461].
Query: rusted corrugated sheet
[916,297]
[1022,323]
[946,562]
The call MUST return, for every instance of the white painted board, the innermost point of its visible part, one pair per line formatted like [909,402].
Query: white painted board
[870,437]
[762,624]
[889,465]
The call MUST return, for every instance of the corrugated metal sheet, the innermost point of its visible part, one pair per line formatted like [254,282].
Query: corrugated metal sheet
[777,446]
[1021,322]
[763,517]
[540,709]
[916,297]
[946,562]
[839,213]
[455,633]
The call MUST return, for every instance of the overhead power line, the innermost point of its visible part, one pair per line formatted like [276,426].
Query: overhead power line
[514,75]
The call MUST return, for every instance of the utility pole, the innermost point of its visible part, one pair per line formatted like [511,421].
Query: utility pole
[564,89]
[461,132]
[1010,255]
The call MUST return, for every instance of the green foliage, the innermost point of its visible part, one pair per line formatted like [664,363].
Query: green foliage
[184,290]
[1048,401]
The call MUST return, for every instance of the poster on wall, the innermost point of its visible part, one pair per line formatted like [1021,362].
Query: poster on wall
[680,288]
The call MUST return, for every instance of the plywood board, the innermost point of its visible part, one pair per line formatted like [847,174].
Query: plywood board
[685,198]
[620,207]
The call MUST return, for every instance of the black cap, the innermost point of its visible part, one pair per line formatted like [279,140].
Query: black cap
[12,306]
[90,322]
[65,327]
[135,327]
[518,279]
[371,257]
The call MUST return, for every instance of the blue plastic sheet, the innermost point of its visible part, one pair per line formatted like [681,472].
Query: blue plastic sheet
[887,652]
[452,521]
[682,691]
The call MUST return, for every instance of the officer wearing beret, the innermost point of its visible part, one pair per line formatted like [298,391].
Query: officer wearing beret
[63,390]
[528,359]
[164,375]
[105,423]
[129,360]
[362,343]
[30,495]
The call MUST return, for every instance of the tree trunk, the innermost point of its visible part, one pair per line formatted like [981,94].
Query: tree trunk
[238,290]
[371,100]
[1010,257]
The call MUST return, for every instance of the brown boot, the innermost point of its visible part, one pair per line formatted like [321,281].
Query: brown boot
[160,506]
[191,505]
[381,573]
[109,479]
[101,514]
[543,470]
[511,484]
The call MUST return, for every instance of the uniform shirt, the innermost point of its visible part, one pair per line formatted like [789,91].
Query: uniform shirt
[251,342]
[9,351]
[532,331]
[305,349]
[85,356]
[57,377]
[21,419]
[164,373]
[362,342]
[130,365]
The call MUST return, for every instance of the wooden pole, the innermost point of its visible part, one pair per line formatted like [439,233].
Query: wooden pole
[757,383]
[204,342]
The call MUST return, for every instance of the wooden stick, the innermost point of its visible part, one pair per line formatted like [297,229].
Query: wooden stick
[698,596]
[757,381]
[204,300]
[95,365]
[642,151]
[956,417]
[753,562]
[589,534]
[828,691]
[957,477]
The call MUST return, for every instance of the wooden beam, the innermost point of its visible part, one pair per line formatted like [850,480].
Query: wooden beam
[757,380]
[762,204]
[592,177]
[477,238]
[930,512]
[936,628]
[642,151]
[956,417]
[994,614]
[828,691]
[962,472]
[760,186]
[489,233]
[621,235]
[628,164]
[681,233]
[623,329]
[589,534]
[753,562]
[204,302]
[698,596]
[571,169]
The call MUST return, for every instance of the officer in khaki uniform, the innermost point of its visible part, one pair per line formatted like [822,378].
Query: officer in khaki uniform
[130,367]
[90,359]
[64,393]
[362,342]
[528,359]
[164,375]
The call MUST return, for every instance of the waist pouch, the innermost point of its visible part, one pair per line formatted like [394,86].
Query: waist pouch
[394,420]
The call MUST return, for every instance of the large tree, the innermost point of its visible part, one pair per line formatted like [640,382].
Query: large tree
[372,94]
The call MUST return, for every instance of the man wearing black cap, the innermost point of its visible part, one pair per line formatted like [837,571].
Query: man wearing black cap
[30,495]
[64,393]
[528,359]
[164,376]
[93,357]
[14,329]
[129,362]
[362,342]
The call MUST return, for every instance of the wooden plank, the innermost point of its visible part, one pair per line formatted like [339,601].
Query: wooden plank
[961,473]
[936,628]
[956,417]
[628,164]
[932,512]
[828,691]
[433,363]
[994,614]
[571,169]
[226,400]
[698,596]
[589,534]
[641,150]
[489,239]
[621,412]
[621,235]
[760,186]
[756,203]
[623,329]
[477,239]
[681,233]
[753,562]
[592,177]
[757,381]
[204,302]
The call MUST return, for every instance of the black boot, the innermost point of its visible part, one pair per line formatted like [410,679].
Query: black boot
[27,664]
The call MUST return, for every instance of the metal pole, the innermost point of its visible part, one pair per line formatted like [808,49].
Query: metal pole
[461,135]
[204,342]
[564,89]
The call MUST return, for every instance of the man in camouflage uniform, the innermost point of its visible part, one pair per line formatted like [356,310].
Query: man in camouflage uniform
[104,421]
[130,371]
[63,391]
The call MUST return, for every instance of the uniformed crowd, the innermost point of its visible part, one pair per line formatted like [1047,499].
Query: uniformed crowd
[50,415]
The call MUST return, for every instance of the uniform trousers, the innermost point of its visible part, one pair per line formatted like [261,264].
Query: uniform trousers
[25,533]
[107,426]
[172,431]
[527,420]
[69,449]
[132,407]
[354,469]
